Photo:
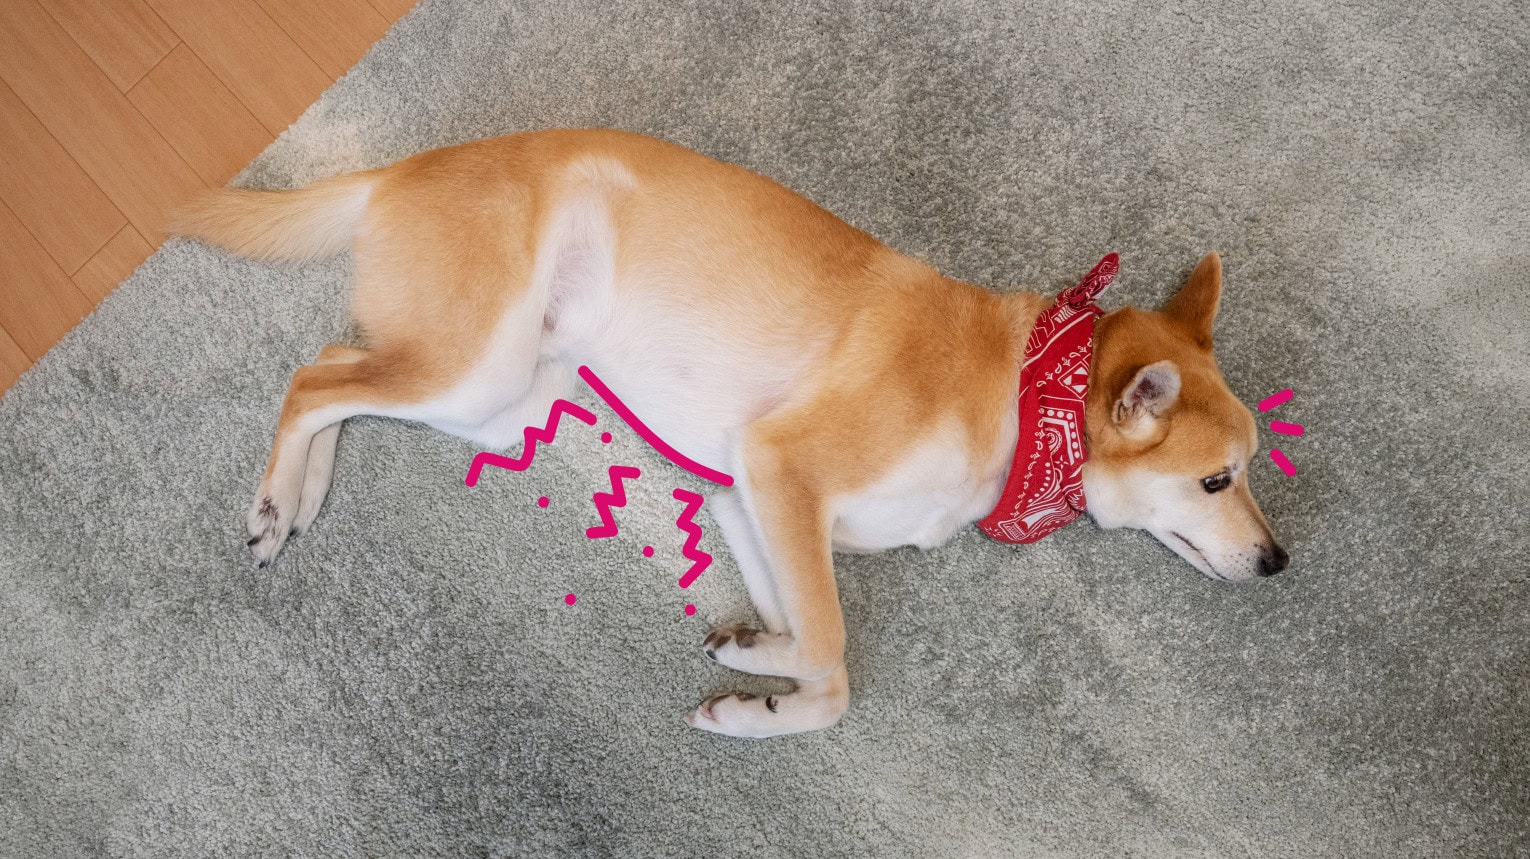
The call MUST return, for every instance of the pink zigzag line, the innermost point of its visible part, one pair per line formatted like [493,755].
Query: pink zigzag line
[649,435]
[687,523]
[604,501]
[544,435]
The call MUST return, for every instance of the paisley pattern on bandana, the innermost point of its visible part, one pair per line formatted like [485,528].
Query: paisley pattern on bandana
[1045,489]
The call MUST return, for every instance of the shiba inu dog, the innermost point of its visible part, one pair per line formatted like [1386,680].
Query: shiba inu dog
[860,399]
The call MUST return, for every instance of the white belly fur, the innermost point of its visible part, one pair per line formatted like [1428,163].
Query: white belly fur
[931,494]
[694,380]
[697,386]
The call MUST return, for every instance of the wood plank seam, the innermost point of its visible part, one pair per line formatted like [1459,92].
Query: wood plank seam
[81,19]
[76,162]
[274,106]
[203,141]
[120,150]
[67,296]
[300,47]
[51,7]
[360,19]
[157,63]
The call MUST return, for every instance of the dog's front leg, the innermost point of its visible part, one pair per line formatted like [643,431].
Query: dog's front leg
[779,532]
[813,705]
[748,549]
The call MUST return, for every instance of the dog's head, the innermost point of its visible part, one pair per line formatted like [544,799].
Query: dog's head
[1169,444]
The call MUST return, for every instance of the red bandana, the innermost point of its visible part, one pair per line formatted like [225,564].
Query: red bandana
[1045,490]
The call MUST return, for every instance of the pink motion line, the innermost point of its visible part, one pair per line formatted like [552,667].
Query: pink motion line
[544,435]
[1285,464]
[604,501]
[692,549]
[649,435]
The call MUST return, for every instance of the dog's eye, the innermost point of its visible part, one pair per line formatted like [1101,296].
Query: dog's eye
[1216,482]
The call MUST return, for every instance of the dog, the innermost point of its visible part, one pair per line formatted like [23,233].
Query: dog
[860,399]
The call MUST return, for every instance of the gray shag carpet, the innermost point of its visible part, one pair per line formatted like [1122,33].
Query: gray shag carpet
[407,680]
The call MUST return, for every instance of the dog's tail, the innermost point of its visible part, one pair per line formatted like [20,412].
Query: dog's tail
[289,226]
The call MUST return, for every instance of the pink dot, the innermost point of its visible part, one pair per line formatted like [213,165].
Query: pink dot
[571,599]
[690,609]
[648,551]
[542,502]
[605,437]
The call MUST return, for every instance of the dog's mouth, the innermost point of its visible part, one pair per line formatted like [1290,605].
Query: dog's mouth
[1198,558]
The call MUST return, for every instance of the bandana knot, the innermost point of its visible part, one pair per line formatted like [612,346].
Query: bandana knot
[1045,489]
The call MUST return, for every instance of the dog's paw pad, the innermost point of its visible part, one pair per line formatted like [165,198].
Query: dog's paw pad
[735,634]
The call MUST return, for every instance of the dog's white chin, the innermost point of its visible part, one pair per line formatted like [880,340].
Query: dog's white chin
[1194,556]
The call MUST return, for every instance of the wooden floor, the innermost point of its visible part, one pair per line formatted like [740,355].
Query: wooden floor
[111,111]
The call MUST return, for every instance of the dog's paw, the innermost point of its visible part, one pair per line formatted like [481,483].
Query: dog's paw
[813,707]
[744,648]
[308,511]
[740,715]
[736,634]
[269,524]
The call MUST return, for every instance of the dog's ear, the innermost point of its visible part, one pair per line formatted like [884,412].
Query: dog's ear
[1194,308]
[1150,393]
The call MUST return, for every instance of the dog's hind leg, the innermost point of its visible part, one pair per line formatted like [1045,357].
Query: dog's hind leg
[453,380]
[319,398]
[449,294]
[320,467]
[550,381]
[274,514]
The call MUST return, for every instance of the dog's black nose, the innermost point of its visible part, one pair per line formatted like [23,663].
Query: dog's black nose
[1274,561]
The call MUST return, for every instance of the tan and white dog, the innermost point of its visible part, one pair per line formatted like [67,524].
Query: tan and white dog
[861,400]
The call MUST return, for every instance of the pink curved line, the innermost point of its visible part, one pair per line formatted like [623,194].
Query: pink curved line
[604,501]
[649,435]
[544,435]
[1275,399]
[687,523]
